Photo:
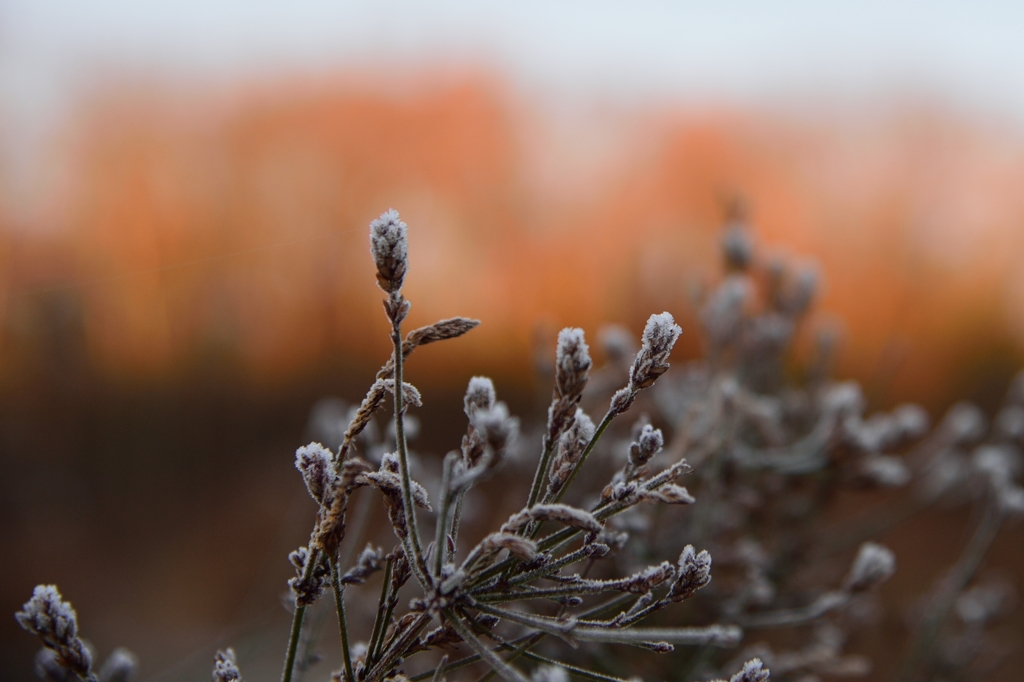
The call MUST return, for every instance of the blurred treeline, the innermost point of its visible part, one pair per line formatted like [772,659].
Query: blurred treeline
[196,275]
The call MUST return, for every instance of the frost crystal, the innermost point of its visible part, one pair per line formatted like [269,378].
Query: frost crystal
[53,620]
[390,248]
[874,565]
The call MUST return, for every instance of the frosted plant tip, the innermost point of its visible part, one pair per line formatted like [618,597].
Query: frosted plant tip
[389,246]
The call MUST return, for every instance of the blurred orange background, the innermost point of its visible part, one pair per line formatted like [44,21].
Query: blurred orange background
[191,224]
[185,271]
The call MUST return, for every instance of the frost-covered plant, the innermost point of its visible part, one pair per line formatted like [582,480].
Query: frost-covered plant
[470,594]
[64,654]
[583,560]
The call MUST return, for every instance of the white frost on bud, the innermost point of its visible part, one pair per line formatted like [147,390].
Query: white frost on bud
[315,462]
[54,621]
[480,395]
[389,246]
[225,668]
[873,566]
[572,362]
[753,671]
[549,673]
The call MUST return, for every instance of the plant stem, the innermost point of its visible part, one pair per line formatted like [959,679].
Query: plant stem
[339,603]
[541,474]
[440,546]
[398,647]
[506,671]
[380,625]
[293,643]
[300,611]
[412,534]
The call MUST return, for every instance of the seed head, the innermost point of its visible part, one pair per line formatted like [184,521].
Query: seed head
[390,248]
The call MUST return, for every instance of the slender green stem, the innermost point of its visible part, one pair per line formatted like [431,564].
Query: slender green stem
[440,545]
[412,535]
[380,625]
[569,668]
[608,417]
[398,648]
[300,612]
[506,671]
[293,643]
[611,604]
[457,517]
[541,474]
[339,604]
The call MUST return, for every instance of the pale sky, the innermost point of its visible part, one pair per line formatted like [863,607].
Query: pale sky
[970,54]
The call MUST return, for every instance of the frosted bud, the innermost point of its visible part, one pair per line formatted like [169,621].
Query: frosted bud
[370,561]
[572,363]
[886,470]
[496,426]
[873,566]
[670,493]
[390,249]
[54,621]
[549,673]
[694,573]
[225,668]
[912,420]
[753,671]
[648,444]
[965,423]
[660,335]
[121,666]
[996,462]
[410,394]
[480,395]
[316,463]
[845,398]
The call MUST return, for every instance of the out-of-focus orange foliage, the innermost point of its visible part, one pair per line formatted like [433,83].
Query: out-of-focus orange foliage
[238,228]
